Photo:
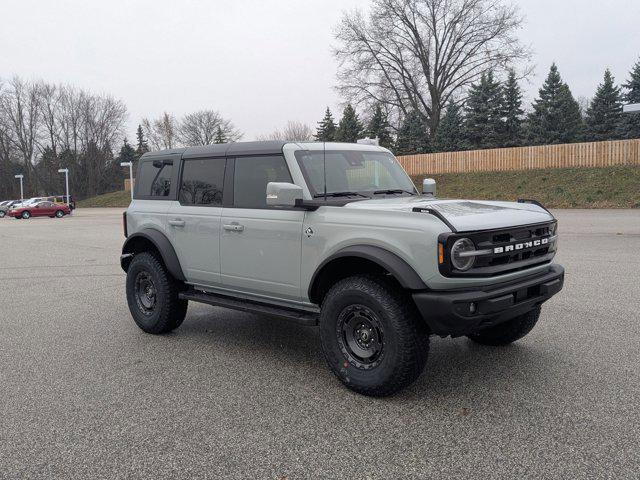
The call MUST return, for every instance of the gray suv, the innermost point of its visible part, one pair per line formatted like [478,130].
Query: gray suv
[334,235]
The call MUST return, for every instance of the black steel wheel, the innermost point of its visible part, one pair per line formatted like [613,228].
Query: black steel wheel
[373,338]
[153,295]
[360,336]
[146,293]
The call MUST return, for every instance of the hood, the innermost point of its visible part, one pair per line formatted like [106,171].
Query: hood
[464,215]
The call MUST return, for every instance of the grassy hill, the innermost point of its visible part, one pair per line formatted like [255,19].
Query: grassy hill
[113,199]
[610,187]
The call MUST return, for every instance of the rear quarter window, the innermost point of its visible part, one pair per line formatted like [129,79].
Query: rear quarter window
[155,179]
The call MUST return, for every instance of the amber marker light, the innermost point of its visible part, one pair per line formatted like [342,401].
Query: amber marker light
[440,253]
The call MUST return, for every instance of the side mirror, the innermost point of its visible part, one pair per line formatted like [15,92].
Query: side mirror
[429,187]
[283,194]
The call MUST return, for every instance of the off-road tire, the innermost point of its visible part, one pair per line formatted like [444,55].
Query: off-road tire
[26,215]
[169,311]
[509,331]
[59,213]
[405,344]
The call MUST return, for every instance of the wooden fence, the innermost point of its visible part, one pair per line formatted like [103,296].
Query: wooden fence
[594,154]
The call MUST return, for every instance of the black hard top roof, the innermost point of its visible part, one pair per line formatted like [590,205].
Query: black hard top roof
[226,149]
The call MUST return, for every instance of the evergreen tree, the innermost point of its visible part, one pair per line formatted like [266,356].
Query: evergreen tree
[143,146]
[556,115]
[605,112]
[326,131]
[412,136]
[220,136]
[512,134]
[349,129]
[127,153]
[483,116]
[379,128]
[450,136]
[116,174]
[630,123]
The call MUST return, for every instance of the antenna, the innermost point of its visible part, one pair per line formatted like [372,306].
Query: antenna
[324,167]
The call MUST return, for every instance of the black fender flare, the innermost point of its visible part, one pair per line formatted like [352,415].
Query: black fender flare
[162,244]
[392,263]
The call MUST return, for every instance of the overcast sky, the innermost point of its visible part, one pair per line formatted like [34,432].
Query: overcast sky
[263,62]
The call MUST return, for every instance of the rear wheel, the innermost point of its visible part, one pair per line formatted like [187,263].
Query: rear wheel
[509,331]
[372,336]
[2,213]
[59,213]
[26,215]
[152,295]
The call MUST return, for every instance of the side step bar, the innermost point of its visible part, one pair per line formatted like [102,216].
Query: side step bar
[302,317]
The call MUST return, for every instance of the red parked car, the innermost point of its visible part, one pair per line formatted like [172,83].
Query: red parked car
[40,209]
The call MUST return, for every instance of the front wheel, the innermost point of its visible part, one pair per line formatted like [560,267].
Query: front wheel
[509,331]
[152,295]
[59,213]
[2,213]
[26,215]
[372,336]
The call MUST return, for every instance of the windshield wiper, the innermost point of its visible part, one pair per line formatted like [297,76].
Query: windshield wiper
[340,194]
[392,191]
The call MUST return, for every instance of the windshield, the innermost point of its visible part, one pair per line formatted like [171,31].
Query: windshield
[362,172]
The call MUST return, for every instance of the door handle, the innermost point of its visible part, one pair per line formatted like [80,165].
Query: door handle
[234,227]
[176,223]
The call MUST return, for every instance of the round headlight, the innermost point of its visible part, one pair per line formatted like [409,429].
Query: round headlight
[460,258]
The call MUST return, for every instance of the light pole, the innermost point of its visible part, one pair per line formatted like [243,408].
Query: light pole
[631,108]
[21,190]
[130,165]
[66,180]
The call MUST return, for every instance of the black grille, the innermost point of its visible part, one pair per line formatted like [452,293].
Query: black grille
[510,249]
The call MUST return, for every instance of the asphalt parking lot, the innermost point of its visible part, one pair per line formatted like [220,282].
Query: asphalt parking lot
[85,393]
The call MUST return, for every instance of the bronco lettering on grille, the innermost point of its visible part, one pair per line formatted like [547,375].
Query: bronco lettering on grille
[521,246]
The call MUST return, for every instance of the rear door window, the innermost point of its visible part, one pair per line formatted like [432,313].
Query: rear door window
[251,176]
[202,182]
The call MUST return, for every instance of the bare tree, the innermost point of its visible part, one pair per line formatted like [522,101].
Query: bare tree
[584,103]
[103,120]
[293,131]
[206,127]
[44,126]
[162,132]
[7,150]
[70,118]
[416,55]
[20,111]
[49,106]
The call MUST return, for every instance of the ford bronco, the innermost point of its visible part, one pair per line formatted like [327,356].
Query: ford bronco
[334,235]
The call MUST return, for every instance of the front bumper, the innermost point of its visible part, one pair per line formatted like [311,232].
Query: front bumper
[461,312]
